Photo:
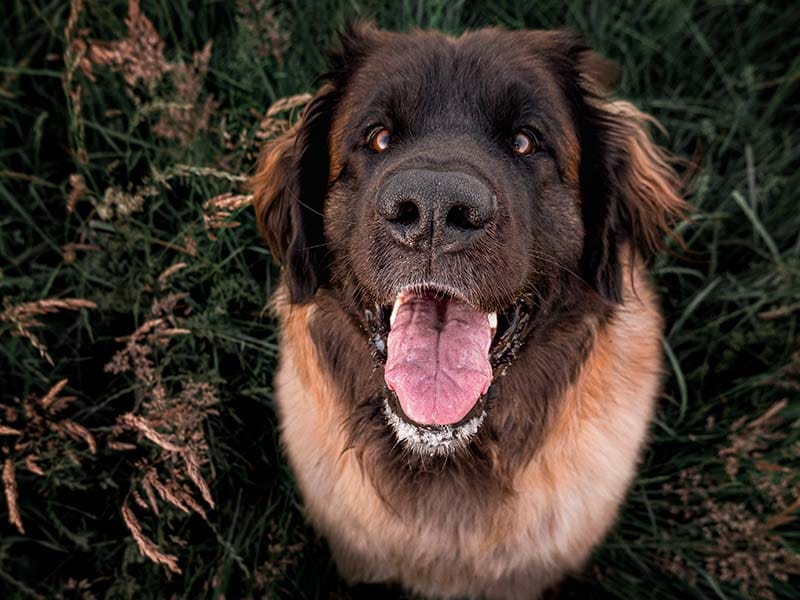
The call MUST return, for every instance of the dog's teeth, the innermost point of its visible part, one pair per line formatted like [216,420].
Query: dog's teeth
[493,320]
[395,308]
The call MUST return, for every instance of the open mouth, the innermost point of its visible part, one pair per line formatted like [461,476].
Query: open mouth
[440,357]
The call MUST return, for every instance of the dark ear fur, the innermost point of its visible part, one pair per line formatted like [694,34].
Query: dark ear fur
[629,191]
[603,72]
[288,194]
[292,175]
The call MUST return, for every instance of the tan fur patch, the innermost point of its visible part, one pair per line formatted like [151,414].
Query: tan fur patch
[268,184]
[652,184]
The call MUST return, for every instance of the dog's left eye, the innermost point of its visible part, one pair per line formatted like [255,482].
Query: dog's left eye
[523,144]
[378,140]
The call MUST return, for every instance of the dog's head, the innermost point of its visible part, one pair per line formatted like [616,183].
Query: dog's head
[450,191]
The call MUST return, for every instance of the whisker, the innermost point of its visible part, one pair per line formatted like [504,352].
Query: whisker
[316,212]
[551,260]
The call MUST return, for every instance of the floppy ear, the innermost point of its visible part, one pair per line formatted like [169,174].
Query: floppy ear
[289,190]
[630,192]
[600,73]
[292,175]
[273,176]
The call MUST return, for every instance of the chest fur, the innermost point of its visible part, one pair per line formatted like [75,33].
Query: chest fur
[564,498]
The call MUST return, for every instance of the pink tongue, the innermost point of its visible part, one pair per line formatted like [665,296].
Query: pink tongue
[438,359]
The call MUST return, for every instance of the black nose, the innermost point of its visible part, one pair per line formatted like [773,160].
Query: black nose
[447,211]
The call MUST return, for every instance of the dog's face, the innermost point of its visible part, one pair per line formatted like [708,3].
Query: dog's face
[452,193]
[455,165]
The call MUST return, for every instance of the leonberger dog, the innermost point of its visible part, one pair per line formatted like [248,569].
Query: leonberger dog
[469,344]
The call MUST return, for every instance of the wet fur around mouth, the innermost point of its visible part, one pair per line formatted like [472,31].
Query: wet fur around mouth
[516,494]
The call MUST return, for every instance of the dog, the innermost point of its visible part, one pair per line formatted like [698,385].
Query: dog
[469,344]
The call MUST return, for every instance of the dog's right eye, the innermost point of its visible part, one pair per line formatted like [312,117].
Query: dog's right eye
[523,144]
[378,140]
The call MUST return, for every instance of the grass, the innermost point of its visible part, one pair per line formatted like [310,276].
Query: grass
[714,511]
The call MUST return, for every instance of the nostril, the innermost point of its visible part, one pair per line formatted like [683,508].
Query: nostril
[462,217]
[442,210]
[407,214]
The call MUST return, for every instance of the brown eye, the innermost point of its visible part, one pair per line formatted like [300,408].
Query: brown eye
[379,139]
[523,144]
